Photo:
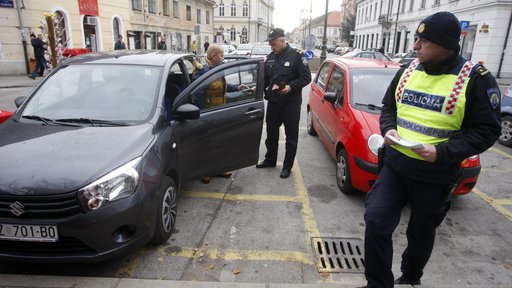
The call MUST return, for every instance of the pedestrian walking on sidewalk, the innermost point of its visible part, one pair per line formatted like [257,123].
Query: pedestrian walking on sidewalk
[39,48]
[452,107]
[119,45]
[286,73]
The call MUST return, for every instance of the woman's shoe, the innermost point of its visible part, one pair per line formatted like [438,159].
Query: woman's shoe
[206,180]
[225,174]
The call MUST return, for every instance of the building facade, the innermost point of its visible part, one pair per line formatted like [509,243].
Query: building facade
[391,24]
[95,24]
[315,27]
[243,21]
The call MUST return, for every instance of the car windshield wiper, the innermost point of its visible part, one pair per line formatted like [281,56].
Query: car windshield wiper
[370,106]
[47,121]
[94,121]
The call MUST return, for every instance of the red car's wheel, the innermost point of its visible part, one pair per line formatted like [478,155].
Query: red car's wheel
[343,173]
[309,124]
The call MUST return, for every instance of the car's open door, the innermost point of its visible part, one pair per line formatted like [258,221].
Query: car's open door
[227,134]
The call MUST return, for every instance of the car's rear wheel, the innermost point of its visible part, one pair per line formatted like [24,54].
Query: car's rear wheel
[343,173]
[506,131]
[309,124]
[167,211]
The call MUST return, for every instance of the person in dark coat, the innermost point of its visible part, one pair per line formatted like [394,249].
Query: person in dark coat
[206,45]
[161,45]
[450,106]
[39,49]
[286,73]
[119,45]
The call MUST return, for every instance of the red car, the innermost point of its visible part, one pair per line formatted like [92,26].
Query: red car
[4,115]
[344,109]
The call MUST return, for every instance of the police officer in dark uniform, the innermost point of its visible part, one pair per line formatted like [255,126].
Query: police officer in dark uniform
[452,107]
[286,73]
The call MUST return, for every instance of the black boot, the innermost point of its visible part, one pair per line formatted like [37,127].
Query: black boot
[404,279]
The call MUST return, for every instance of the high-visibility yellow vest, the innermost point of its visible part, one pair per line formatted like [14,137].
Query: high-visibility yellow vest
[430,108]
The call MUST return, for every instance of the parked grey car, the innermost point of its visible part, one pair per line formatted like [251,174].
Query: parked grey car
[93,160]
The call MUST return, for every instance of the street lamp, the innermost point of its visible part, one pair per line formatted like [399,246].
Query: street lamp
[324,40]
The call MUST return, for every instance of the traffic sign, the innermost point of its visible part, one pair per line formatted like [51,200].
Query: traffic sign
[309,55]
[464,28]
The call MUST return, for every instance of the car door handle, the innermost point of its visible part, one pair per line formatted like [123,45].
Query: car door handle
[252,112]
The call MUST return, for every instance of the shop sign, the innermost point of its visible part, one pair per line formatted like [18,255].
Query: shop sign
[88,7]
[6,4]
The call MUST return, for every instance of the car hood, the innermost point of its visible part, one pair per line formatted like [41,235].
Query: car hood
[45,160]
[372,120]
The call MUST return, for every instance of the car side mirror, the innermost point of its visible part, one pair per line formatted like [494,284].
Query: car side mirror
[330,97]
[187,112]
[19,101]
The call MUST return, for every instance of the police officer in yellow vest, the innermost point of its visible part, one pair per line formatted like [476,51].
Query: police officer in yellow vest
[452,107]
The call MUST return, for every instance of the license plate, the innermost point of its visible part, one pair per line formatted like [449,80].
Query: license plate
[36,233]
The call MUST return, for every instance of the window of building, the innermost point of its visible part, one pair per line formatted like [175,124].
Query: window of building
[232,33]
[152,6]
[423,4]
[221,8]
[137,5]
[165,7]
[115,28]
[198,16]
[189,13]
[403,6]
[233,9]
[207,17]
[411,6]
[176,9]
[244,35]
[60,26]
[437,2]
[245,11]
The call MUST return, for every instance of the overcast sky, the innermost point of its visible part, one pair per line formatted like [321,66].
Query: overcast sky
[287,13]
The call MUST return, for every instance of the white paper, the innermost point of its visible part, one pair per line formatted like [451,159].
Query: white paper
[403,142]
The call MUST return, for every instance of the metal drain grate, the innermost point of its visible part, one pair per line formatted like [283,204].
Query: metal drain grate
[335,255]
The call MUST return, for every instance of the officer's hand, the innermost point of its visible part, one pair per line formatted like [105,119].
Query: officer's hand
[427,152]
[285,90]
[393,133]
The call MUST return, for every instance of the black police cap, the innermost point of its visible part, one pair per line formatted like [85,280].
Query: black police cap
[275,33]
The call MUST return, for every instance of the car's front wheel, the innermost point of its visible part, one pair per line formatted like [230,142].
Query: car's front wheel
[309,124]
[343,173]
[506,131]
[167,211]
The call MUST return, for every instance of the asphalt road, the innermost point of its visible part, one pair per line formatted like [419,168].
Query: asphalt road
[257,227]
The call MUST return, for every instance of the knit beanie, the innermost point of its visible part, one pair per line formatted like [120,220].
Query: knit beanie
[442,28]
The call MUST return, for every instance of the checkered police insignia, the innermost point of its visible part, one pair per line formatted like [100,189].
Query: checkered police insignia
[457,87]
[494,95]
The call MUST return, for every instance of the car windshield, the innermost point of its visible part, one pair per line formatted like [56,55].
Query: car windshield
[369,85]
[98,92]
[262,50]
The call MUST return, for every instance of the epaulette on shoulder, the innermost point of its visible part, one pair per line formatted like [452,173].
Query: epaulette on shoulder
[482,70]
[406,64]
[299,51]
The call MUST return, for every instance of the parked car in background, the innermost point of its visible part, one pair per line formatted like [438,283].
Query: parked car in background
[366,54]
[244,49]
[120,134]
[506,118]
[4,115]
[344,109]
[261,51]
[228,49]
[330,48]
[404,57]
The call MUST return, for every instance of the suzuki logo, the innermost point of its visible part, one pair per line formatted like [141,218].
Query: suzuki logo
[17,208]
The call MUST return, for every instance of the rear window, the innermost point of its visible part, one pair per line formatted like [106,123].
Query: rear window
[369,85]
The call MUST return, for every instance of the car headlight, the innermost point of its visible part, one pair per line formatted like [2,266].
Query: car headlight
[117,184]
[375,141]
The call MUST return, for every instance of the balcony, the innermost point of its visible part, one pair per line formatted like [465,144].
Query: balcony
[385,20]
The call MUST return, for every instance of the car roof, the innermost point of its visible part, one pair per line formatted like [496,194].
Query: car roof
[137,57]
[364,63]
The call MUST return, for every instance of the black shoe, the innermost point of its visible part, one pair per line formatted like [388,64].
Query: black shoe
[264,164]
[404,279]
[33,78]
[285,173]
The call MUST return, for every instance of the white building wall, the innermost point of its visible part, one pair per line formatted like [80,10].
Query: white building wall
[488,46]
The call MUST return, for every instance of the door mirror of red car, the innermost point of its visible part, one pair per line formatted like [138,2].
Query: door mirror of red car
[330,97]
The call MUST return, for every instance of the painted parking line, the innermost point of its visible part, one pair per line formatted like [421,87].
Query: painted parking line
[500,208]
[240,197]
[496,150]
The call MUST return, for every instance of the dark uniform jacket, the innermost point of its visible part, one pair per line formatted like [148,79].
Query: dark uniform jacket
[286,68]
[480,128]
[119,45]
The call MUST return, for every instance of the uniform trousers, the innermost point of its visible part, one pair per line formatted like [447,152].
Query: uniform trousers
[384,204]
[289,115]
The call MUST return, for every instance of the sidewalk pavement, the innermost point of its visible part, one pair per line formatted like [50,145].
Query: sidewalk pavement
[34,281]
